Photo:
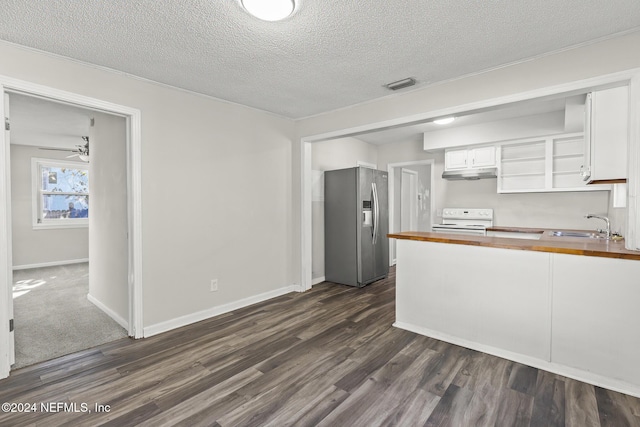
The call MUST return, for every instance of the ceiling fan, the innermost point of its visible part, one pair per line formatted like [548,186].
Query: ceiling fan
[81,151]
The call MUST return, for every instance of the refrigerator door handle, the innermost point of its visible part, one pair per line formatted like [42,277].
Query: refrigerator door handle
[376,210]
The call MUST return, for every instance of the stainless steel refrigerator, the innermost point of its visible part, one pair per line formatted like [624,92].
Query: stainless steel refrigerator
[356,223]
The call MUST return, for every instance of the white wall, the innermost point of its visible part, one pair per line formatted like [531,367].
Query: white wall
[407,151]
[216,186]
[331,155]
[43,246]
[342,153]
[546,210]
[617,215]
[108,223]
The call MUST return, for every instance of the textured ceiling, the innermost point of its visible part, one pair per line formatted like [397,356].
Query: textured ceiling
[329,54]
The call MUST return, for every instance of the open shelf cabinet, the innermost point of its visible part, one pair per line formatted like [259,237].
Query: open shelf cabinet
[544,164]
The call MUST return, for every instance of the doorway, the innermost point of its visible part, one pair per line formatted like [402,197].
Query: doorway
[411,199]
[133,241]
[58,157]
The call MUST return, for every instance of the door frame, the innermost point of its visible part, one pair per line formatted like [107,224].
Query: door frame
[134,204]
[432,203]
[632,77]
[6,270]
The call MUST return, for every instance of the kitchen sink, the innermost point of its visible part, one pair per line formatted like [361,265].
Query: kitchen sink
[586,234]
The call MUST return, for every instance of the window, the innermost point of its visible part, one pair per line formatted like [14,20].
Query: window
[60,194]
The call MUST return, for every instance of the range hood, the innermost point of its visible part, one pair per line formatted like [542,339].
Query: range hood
[470,174]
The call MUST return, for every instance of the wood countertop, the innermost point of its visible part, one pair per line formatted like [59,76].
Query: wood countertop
[546,243]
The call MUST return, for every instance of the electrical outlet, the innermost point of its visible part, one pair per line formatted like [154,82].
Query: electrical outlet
[214,285]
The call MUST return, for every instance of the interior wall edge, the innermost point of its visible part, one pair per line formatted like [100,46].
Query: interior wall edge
[112,314]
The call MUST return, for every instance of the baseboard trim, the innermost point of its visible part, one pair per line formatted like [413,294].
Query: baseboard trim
[188,319]
[317,280]
[112,314]
[556,368]
[49,264]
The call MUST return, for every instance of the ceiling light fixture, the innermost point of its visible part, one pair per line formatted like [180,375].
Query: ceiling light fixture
[444,120]
[269,10]
[400,84]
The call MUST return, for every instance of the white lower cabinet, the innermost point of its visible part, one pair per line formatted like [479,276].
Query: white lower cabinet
[498,300]
[574,315]
[596,319]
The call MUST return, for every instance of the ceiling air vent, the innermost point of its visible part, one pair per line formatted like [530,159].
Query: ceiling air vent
[401,84]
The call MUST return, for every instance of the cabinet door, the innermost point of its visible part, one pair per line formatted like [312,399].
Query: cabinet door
[567,161]
[483,157]
[608,136]
[455,159]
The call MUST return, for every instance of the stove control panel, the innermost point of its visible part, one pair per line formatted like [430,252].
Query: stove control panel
[460,213]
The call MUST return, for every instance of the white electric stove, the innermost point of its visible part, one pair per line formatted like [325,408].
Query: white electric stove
[464,221]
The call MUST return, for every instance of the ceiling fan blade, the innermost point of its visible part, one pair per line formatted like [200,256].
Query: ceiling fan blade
[73,155]
[58,149]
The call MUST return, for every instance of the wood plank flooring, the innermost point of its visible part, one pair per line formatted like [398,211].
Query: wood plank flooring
[327,357]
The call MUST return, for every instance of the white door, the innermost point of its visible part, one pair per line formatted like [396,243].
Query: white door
[409,201]
[7,354]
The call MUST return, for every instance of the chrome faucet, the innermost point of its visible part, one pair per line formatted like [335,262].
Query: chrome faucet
[607,232]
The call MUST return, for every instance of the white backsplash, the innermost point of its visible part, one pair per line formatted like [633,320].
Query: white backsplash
[545,210]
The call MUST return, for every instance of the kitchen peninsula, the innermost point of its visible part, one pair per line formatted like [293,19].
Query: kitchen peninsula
[568,305]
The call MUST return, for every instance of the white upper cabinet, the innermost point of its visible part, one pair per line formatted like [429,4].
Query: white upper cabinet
[455,159]
[607,136]
[544,164]
[483,157]
[470,158]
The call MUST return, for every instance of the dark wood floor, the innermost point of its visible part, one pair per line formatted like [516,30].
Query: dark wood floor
[327,357]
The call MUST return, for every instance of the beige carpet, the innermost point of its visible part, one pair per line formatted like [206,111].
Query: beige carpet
[52,316]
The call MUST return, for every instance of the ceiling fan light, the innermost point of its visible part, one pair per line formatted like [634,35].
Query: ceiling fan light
[269,10]
[84,157]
